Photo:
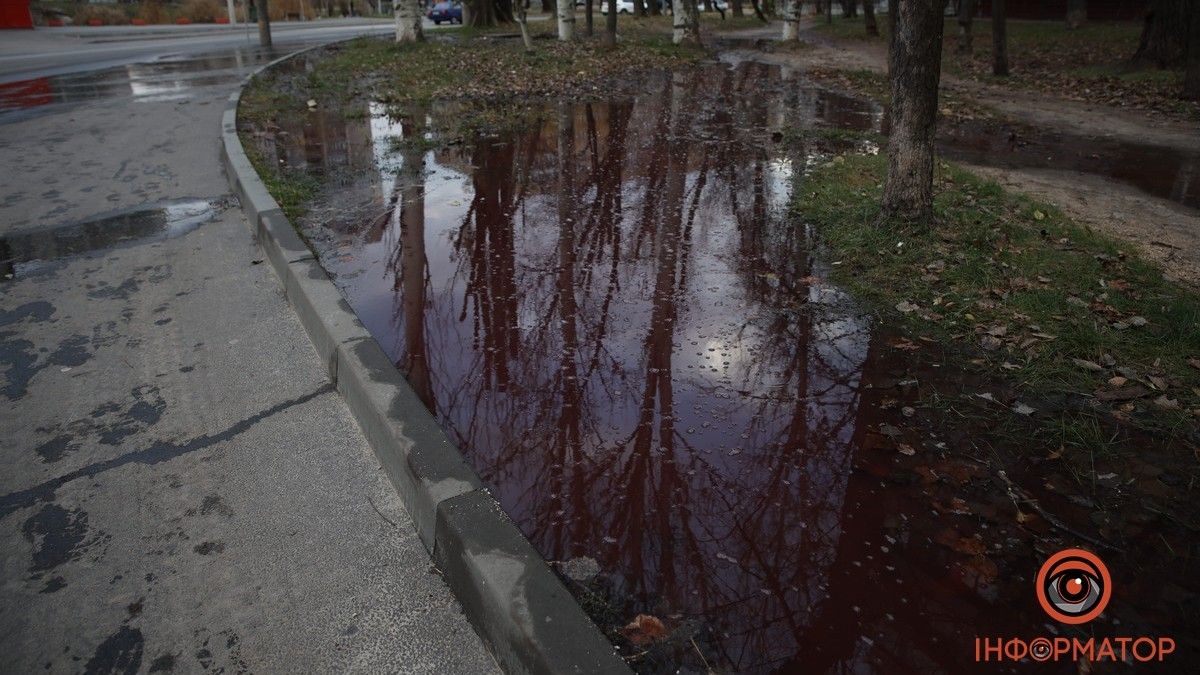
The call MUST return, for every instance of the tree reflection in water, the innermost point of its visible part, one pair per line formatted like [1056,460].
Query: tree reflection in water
[616,321]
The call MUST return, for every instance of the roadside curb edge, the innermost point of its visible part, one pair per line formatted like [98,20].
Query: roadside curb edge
[525,615]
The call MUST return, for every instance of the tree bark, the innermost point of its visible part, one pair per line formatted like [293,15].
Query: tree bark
[522,21]
[1191,78]
[408,21]
[999,38]
[686,21]
[639,8]
[914,67]
[548,6]
[264,22]
[1164,41]
[738,10]
[869,18]
[791,19]
[610,25]
[655,9]
[966,17]
[1076,13]
[566,20]
[587,15]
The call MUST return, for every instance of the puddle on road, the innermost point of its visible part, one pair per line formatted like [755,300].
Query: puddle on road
[614,318]
[1167,173]
[23,253]
[172,78]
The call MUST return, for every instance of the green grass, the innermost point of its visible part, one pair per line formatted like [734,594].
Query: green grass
[1051,290]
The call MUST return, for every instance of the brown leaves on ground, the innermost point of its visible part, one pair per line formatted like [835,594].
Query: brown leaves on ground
[645,629]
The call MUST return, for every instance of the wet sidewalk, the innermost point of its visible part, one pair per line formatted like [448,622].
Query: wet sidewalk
[183,490]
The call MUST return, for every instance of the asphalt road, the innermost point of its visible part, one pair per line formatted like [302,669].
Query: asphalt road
[182,490]
[54,51]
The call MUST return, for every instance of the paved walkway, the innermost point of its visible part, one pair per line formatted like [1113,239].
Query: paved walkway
[181,488]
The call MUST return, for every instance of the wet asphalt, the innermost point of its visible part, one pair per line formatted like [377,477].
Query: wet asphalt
[182,489]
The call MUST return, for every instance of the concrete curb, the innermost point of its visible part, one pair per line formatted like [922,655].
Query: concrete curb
[524,613]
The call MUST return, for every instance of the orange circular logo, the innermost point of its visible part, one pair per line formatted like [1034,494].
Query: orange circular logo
[1073,586]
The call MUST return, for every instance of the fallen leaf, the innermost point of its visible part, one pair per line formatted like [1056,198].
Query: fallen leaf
[1022,409]
[1122,393]
[645,629]
[1166,403]
[906,307]
[990,342]
[1087,365]
[906,449]
[1038,215]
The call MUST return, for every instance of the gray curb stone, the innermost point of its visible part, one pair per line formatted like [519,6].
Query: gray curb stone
[525,615]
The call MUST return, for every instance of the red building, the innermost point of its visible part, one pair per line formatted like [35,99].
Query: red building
[15,14]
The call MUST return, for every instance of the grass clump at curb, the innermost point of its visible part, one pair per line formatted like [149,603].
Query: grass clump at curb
[1049,305]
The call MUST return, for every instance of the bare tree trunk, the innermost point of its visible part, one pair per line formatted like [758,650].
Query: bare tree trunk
[264,22]
[639,8]
[914,67]
[999,38]
[738,11]
[610,25]
[655,8]
[548,6]
[587,17]
[686,22]
[408,21]
[828,11]
[566,20]
[522,21]
[1164,41]
[869,18]
[966,16]
[791,19]
[1076,13]
[1191,78]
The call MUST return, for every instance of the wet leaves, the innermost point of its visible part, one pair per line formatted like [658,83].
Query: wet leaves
[645,629]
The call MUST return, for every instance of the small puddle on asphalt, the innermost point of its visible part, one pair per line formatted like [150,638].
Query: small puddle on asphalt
[166,79]
[614,318]
[24,253]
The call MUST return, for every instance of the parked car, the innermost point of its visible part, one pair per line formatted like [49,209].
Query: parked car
[446,11]
[623,6]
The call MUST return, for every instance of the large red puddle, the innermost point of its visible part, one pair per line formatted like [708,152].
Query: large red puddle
[637,349]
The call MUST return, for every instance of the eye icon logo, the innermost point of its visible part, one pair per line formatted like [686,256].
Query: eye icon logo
[1073,586]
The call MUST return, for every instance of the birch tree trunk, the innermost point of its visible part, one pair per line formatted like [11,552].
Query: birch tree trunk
[566,20]
[408,21]
[914,67]
[791,10]
[686,21]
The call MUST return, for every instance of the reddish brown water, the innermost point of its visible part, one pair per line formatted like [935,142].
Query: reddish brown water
[617,322]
